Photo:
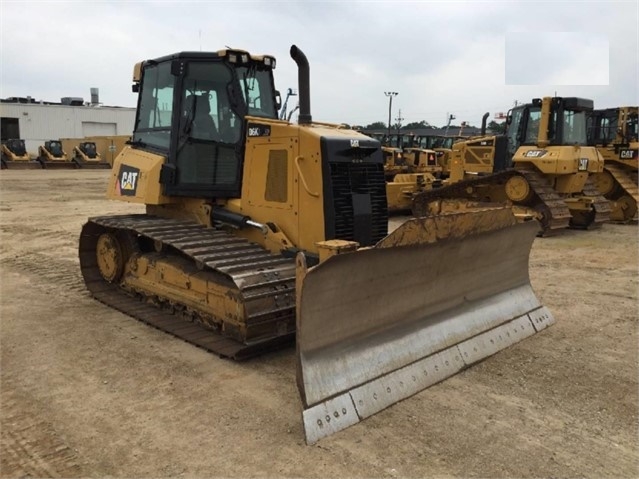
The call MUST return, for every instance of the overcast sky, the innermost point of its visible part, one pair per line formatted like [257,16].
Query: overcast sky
[463,58]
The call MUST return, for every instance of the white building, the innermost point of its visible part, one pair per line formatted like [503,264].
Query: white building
[38,122]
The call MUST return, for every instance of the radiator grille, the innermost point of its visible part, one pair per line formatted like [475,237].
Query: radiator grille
[358,178]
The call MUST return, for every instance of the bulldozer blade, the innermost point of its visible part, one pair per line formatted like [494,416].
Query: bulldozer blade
[380,324]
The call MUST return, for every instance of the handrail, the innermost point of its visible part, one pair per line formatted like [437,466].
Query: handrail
[299,171]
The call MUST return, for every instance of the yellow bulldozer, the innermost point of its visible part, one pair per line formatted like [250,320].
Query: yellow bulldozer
[258,231]
[392,153]
[416,170]
[613,131]
[423,165]
[85,155]
[51,155]
[14,155]
[542,166]
[408,169]
[442,146]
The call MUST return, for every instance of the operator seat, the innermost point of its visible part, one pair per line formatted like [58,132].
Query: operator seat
[203,125]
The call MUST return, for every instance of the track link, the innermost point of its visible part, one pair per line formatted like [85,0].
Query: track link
[600,203]
[625,193]
[265,281]
[455,190]
[547,198]
[627,180]
[548,202]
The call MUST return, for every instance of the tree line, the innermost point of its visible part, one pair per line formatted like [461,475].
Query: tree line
[495,127]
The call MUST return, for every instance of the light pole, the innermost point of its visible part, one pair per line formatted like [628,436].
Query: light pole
[390,95]
[399,120]
[451,117]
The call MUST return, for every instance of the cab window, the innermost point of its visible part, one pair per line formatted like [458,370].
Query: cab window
[574,127]
[256,84]
[532,126]
[153,124]
[209,128]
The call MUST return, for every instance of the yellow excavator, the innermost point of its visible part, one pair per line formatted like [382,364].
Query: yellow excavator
[542,166]
[14,155]
[86,155]
[51,155]
[258,230]
[613,131]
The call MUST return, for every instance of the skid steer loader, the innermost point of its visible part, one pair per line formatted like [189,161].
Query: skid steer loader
[85,155]
[14,156]
[542,166]
[258,230]
[51,155]
[613,132]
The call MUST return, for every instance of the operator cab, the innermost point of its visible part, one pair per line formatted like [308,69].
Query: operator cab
[192,108]
[55,148]
[16,147]
[566,123]
[631,127]
[604,127]
[89,149]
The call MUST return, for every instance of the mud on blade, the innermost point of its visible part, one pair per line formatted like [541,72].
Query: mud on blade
[436,295]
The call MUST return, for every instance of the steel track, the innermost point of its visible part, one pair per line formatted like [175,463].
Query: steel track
[625,180]
[266,282]
[546,199]
[600,203]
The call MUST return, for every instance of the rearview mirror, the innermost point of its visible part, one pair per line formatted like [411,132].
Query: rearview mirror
[278,100]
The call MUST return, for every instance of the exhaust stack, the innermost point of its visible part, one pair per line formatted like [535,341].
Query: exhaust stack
[304,84]
[483,123]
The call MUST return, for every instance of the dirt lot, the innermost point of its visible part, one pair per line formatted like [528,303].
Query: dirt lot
[87,391]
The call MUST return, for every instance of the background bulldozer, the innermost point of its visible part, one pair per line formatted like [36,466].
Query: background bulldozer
[424,164]
[613,131]
[542,165]
[408,169]
[257,229]
[51,155]
[15,156]
[394,162]
[85,155]
[442,146]
[416,170]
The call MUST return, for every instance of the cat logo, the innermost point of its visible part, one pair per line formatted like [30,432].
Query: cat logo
[535,153]
[127,183]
